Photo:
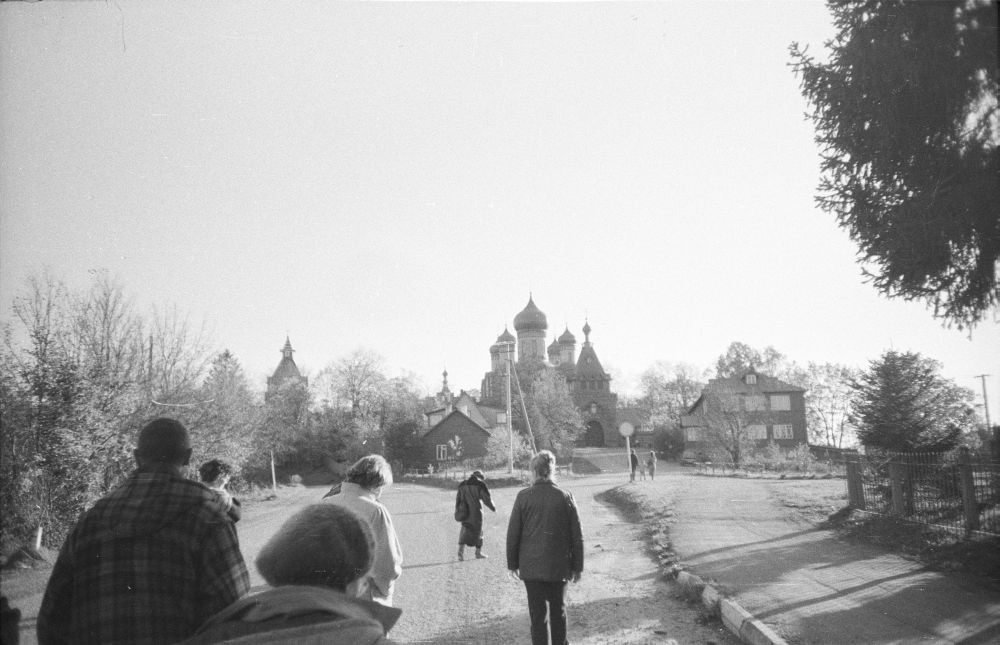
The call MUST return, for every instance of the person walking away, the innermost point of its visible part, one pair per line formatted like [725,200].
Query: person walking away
[216,475]
[634,460]
[545,549]
[366,479]
[469,500]
[317,567]
[150,561]
[651,464]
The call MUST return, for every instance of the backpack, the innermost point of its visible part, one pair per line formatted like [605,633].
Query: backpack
[461,507]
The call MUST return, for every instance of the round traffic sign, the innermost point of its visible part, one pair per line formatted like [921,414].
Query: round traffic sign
[626,429]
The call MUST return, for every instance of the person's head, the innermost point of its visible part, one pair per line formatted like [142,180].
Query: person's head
[165,442]
[323,545]
[543,465]
[215,471]
[478,474]
[371,472]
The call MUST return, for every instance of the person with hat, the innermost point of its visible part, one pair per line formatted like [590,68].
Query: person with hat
[317,566]
[151,560]
[469,500]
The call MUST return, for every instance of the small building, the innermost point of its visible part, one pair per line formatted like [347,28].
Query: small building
[763,407]
[459,428]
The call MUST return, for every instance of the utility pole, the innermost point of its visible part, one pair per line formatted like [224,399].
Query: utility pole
[510,426]
[986,403]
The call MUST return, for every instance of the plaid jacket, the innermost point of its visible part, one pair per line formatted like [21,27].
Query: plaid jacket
[146,565]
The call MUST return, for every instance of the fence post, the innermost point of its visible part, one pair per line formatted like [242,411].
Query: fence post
[855,489]
[897,475]
[969,504]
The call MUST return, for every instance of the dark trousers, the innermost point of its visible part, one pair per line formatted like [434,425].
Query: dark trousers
[547,608]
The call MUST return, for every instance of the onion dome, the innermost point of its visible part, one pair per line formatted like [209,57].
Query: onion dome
[531,318]
[505,337]
[554,347]
[567,337]
[586,331]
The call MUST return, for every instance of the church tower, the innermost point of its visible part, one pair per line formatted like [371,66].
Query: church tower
[530,326]
[286,370]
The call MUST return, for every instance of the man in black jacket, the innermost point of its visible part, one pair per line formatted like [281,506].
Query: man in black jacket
[545,549]
[471,495]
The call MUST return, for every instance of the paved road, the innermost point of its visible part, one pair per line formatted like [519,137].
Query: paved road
[810,587]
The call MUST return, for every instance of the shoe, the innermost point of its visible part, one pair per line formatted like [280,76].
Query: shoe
[481,556]
[461,556]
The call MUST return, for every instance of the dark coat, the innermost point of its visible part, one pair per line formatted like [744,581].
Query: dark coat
[544,539]
[475,492]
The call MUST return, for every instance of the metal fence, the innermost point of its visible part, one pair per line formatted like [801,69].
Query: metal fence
[954,490]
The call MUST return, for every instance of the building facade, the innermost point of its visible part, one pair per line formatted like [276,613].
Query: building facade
[760,407]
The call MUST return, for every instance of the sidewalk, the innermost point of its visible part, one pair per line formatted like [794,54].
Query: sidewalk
[810,587]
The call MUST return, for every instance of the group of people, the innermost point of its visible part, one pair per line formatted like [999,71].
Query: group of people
[158,559]
[649,465]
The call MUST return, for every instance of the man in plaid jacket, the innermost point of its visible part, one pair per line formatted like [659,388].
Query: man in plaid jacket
[151,560]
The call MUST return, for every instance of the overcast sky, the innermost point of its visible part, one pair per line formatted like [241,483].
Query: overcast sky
[400,177]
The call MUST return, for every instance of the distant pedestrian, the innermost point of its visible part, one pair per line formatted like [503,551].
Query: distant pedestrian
[634,459]
[150,561]
[545,549]
[216,475]
[651,464]
[469,500]
[359,492]
[316,566]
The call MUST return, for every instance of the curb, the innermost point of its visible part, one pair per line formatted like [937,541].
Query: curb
[736,619]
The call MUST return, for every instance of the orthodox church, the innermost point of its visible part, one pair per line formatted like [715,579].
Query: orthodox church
[589,384]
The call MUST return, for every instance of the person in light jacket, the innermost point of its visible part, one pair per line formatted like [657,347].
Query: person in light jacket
[359,493]
[316,565]
[545,549]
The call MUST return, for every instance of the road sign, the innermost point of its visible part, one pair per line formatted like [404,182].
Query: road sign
[626,429]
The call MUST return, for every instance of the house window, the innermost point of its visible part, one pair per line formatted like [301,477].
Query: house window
[782,431]
[751,379]
[781,402]
[757,432]
[442,452]
[754,402]
[692,434]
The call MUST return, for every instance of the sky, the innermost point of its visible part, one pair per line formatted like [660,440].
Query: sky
[400,177]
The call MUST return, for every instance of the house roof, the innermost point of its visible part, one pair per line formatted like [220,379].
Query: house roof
[737,385]
[451,419]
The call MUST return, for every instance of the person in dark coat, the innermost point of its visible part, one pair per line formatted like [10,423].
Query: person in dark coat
[634,458]
[545,549]
[473,493]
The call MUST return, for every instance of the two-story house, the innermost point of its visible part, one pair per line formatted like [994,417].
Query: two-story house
[754,407]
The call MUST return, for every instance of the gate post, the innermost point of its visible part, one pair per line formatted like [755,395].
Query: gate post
[969,505]
[897,475]
[855,489]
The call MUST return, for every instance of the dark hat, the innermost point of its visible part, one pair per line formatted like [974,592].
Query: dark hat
[164,441]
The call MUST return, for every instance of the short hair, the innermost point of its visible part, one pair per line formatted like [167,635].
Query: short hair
[323,545]
[478,474]
[543,464]
[213,469]
[370,472]
[164,441]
